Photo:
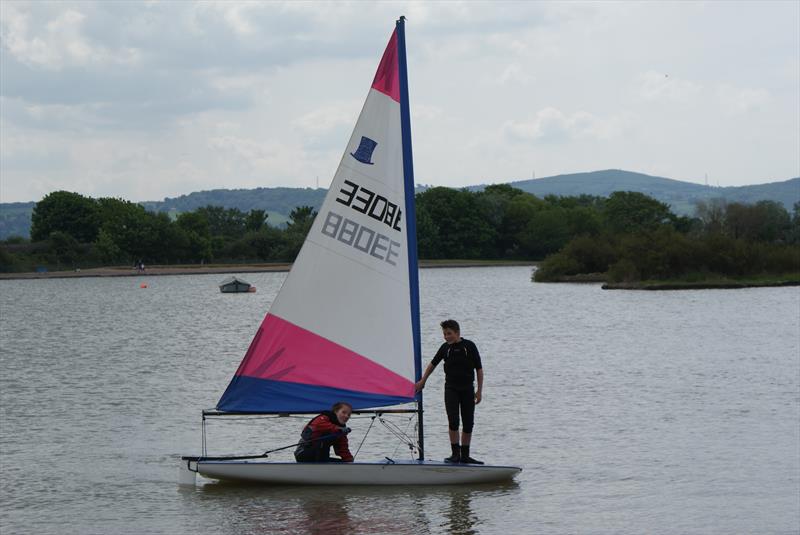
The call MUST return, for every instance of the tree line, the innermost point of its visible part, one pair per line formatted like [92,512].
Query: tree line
[627,235]
[69,230]
[735,240]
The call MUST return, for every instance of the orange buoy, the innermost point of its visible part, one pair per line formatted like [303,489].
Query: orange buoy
[143,285]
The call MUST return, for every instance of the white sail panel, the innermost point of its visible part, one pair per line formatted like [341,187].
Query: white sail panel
[342,326]
[349,283]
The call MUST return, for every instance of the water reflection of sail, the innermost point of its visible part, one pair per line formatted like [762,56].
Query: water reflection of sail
[328,516]
[357,511]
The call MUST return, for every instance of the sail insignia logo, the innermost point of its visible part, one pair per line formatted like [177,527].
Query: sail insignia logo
[364,151]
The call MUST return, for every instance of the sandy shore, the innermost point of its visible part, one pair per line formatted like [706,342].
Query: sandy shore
[153,271]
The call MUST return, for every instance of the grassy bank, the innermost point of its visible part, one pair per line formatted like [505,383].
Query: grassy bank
[197,269]
[721,283]
[695,282]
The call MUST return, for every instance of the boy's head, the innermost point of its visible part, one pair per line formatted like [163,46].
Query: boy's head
[450,324]
[451,331]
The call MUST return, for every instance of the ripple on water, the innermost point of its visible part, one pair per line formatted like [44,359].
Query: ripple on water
[631,412]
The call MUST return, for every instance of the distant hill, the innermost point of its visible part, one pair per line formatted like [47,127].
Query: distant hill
[681,196]
[279,202]
[15,218]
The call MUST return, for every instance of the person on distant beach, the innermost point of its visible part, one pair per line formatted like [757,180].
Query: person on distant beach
[323,431]
[462,362]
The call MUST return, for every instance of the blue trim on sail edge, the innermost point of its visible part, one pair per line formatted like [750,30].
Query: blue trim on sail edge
[250,394]
[411,213]
[411,221]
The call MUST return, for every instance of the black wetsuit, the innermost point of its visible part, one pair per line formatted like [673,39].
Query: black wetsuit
[460,362]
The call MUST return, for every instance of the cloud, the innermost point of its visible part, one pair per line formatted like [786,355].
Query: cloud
[327,118]
[235,14]
[22,151]
[55,117]
[422,112]
[121,99]
[553,126]
[145,99]
[655,86]
[736,101]
[58,43]
[250,158]
[514,73]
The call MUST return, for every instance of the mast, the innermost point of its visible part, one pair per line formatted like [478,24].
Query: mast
[411,219]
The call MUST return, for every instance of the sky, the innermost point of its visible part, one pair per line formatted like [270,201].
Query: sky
[153,99]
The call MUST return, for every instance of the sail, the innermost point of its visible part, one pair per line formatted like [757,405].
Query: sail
[342,326]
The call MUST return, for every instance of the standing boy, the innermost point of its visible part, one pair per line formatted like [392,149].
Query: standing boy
[461,361]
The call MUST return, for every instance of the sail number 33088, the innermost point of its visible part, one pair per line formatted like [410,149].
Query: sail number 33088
[368,202]
[361,237]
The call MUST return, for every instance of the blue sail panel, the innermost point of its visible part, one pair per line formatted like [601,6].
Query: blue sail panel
[252,395]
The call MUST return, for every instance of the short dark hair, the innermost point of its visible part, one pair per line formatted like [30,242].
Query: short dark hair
[339,404]
[450,324]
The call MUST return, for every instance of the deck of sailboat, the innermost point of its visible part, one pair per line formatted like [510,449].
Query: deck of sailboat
[400,472]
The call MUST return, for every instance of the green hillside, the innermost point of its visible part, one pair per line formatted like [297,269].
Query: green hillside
[279,202]
[15,218]
[273,200]
[681,196]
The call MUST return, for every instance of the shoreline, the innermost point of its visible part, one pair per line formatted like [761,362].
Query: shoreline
[729,285]
[653,285]
[159,271]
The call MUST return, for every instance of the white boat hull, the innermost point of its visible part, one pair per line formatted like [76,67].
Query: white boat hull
[380,473]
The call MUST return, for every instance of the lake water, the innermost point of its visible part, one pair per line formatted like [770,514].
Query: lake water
[630,412]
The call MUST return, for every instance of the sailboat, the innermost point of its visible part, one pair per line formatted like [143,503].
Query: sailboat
[345,324]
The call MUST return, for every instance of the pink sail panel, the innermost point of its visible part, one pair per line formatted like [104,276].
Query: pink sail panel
[387,79]
[282,351]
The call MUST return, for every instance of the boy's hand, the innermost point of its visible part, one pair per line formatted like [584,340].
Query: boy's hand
[477,397]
